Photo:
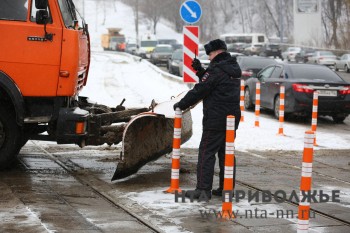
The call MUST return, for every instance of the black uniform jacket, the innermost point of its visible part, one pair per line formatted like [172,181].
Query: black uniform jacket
[219,88]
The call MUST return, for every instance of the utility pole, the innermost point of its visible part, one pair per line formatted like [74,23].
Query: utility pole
[281,21]
[84,9]
[137,23]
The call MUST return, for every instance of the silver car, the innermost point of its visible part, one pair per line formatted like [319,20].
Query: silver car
[343,63]
[323,58]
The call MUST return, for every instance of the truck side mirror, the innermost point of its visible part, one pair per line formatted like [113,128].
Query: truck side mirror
[42,16]
[41,4]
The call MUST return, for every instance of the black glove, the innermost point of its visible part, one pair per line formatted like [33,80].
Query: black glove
[177,105]
[196,65]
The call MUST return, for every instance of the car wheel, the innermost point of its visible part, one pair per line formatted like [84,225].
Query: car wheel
[276,109]
[336,68]
[10,137]
[338,119]
[247,99]
[347,69]
[171,70]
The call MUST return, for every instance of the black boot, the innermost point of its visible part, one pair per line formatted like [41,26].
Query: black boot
[217,192]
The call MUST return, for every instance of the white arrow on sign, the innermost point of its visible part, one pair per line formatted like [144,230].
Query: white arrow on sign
[193,14]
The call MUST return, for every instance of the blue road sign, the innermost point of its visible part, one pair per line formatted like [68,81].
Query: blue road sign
[190,11]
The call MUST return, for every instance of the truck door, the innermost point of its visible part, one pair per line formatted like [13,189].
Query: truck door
[30,60]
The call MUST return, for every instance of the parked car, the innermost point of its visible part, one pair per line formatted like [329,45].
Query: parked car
[300,81]
[290,53]
[131,48]
[271,50]
[174,61]
[161,54]
[252,49]
[303,55]
[236,47]
[204,59]
[250,66]
[177,46]
[323,58]
[343,63]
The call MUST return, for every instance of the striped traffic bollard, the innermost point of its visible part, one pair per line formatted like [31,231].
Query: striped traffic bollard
[229,165]
[241,102]
[281,111]
[257,104]
[305,183]
[175,163]
[314,115]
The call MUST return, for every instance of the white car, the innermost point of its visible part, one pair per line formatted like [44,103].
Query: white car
[252,49]
[290,53]
[323,58]
[343,63]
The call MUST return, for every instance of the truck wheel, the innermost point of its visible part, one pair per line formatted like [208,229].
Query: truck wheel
[10,136]
[338,119]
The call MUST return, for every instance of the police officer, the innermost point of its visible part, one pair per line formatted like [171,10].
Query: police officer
[219,88]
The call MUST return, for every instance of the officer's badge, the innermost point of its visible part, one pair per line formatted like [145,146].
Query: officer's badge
[205,77]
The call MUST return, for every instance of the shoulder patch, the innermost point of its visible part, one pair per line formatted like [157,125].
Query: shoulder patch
[205,77]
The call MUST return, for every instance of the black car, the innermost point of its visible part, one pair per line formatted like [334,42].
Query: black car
[303,55]
[271,50]
[174,62]
[300,81]
[250,66]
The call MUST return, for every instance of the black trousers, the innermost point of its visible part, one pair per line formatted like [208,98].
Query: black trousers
[212,142]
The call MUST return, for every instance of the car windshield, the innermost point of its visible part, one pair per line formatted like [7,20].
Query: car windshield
[313,72]
[163,49]
[177,55]
[149,43]
[326,53]
[204,57]
[130,45]
[256,63]
[294,49]
[273,46]
[170,41]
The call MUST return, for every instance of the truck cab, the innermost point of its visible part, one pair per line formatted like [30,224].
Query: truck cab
[44,63]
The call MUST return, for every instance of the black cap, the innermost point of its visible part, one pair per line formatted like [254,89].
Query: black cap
[215,45]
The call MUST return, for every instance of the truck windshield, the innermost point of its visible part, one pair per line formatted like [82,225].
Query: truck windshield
[68,12]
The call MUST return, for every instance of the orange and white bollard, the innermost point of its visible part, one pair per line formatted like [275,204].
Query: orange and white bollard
[314,114]
[241,102]
[305,182]
[281,111]
[229,166]
[257,104]
[175,163]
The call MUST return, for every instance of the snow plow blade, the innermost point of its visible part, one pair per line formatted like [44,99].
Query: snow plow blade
[147,137]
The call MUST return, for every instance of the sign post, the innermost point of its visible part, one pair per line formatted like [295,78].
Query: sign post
[190,12]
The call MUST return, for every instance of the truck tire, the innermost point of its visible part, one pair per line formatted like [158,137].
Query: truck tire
[10,137]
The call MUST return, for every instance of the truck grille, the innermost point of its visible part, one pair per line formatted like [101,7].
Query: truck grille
[81,79]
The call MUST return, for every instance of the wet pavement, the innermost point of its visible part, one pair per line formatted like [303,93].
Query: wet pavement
[60,188]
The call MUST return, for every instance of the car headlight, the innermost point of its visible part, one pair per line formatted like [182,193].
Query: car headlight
[175,63]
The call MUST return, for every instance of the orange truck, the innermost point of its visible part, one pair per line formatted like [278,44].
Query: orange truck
[44,64]
[114,40]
